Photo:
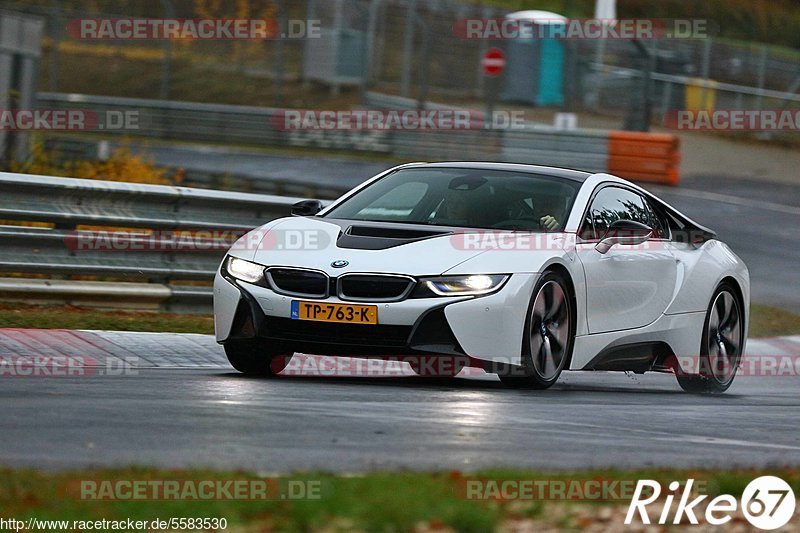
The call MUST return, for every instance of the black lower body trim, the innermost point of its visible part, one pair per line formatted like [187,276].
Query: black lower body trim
[430,335]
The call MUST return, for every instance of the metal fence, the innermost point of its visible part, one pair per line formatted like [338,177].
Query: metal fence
[149,255]
[406,47]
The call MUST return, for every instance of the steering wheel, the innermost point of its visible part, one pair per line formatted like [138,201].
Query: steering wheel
[514,223]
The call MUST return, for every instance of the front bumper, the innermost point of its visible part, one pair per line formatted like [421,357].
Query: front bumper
[487,327]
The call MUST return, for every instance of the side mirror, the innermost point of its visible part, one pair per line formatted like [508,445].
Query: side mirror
[306,208]
[625,232]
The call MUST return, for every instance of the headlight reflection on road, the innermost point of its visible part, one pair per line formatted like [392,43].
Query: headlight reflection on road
[228,391]
[474,410]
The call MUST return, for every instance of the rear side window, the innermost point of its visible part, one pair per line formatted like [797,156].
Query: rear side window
[657,221]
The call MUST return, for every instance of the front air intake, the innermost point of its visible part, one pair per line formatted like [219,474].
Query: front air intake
[298,282]
[374,287]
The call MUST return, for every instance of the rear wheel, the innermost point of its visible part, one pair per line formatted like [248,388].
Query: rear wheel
[721,347]
[254,358]
[549,333]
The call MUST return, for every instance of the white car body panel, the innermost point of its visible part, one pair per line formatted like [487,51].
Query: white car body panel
[626,289]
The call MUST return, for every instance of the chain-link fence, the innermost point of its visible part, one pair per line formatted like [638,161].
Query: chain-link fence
[403,47]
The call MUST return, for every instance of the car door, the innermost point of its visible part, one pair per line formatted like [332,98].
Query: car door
[628,286]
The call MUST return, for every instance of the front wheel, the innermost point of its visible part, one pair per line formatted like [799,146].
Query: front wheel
[253,358]
[721,347]
[549,334]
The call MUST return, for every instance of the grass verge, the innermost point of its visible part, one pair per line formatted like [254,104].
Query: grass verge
[768,321]
[402,501]
[14,315]
[765,321]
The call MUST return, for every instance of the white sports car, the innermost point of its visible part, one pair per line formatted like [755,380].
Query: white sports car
[521,270]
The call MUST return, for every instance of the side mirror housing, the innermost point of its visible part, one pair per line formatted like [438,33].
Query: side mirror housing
[306,208]
[626,232]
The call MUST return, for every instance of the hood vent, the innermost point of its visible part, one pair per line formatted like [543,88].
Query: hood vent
[383,237]
[391,233]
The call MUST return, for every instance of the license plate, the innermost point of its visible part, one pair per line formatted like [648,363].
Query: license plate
[324,312]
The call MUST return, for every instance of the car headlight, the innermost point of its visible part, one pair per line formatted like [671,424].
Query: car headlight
[244,270]
[470,285]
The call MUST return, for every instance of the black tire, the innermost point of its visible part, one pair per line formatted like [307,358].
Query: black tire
[253,358]
[550,327]
[720,347]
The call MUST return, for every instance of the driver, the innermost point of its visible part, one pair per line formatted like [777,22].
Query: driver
[545,206]
[456,207]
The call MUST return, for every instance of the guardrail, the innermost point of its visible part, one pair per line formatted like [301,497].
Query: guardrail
[591,150]
[149,254]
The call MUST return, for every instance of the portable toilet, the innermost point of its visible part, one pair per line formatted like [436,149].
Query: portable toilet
[535,65]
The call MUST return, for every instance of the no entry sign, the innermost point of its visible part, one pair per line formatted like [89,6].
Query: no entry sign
[493,62]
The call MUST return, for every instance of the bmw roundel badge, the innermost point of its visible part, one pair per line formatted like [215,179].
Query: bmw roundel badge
[340,263]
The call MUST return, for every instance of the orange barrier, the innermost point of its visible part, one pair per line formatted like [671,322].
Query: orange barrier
[642,156]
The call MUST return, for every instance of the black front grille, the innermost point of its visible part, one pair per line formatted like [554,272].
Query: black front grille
[370,287]
[378,335]
[299,282]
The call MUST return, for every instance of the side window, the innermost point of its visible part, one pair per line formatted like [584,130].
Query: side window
[612,204]
[657,221]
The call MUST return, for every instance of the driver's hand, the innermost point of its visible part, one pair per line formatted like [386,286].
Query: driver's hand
[549,223]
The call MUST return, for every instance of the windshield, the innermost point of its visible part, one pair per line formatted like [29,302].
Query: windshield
[469,198]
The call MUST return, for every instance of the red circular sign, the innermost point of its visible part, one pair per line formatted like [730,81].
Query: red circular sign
[493,62]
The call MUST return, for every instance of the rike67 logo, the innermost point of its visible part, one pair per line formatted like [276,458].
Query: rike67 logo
[768,503]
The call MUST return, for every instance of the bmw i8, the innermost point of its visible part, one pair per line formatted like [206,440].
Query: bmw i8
[524,271]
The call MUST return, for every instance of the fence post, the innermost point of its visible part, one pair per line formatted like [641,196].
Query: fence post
[372,23]
[704,69]
[762,72]
[311,14]
[55,36]
[666,100]
[279,51]
[486,13]
[166,66]
[408,49]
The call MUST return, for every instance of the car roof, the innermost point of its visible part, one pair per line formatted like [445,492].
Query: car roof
[574,175]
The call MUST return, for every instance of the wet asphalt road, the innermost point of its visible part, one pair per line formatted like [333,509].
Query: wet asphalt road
[217,418]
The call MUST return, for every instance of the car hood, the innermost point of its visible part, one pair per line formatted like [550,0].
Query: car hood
[366,247]
[416,250]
